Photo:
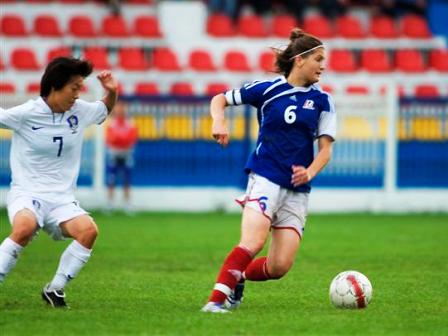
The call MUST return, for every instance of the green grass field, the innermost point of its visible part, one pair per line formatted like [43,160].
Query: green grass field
[150,275]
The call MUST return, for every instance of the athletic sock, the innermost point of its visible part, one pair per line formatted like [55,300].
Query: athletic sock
[9,252]
[231,272]
[71,262]
[257,270]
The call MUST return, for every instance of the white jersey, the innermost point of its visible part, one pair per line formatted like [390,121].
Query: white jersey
[46,146]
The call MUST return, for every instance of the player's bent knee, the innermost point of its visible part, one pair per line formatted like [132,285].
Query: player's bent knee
[280,270]
[23,229]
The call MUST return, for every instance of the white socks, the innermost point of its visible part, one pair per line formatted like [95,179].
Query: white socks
[72,260]
[9,252]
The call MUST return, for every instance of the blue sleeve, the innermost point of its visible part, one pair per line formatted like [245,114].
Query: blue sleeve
[251,93]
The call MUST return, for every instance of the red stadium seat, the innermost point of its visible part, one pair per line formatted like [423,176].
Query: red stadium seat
[438,59]
[164,59]
[415,26]
[426,90]
[283,24]
[2,65]
[146,88]
[114,26]
[357,89]
[24,59]
[342,60]
[375,60]
[132,59]
[383,27]
[47,25]
[58,52]
[318,26]
[33,88]
[8,88]
[220,25]
[252,26]
[13,25]
[266,61]
[181,89]
[147,26]
[327,88]
[409,60]
[349,27]
[201,60]
[213,89]
[98,56]
[236,61]
[82,26]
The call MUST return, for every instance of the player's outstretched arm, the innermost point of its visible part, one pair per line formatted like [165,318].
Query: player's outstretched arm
[302,175]
[219,127]
[110,84]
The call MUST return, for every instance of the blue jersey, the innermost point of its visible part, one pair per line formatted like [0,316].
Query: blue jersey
[290,119]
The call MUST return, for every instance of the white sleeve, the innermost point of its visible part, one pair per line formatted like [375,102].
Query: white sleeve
[11,118]
[94,113]
[327,122]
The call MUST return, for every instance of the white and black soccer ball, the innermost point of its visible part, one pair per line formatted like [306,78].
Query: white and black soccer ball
[351,290]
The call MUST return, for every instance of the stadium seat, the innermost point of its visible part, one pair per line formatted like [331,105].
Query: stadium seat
[164,59]
[8,88]
[219,25]
[13,25]
[33,88]
[213,89]
[114,26]
[47,26]
[383,27]
[236,61]
[82,26]
[318,26]
[342,60]
[415,26]
[357,89]
[181,89]
[409,60]
[426,90]
[132,59]
[58,52]
[438,59]
[146,88]
[252,26]
[327,88]
[282,25]
[201,60]
[147,26]
[266,61]
[375,60]
[24,59]
[98,56]
[349,27]
[2,64]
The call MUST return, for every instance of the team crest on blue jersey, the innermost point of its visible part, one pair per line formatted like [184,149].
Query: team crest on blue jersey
[73,123]
[309,104]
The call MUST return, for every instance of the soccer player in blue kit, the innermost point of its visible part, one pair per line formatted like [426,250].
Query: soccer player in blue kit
[292,113]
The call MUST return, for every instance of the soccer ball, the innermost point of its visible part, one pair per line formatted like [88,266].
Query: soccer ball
[350,289]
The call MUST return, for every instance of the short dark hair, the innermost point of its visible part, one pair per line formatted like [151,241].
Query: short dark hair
[299,42]
[59,71]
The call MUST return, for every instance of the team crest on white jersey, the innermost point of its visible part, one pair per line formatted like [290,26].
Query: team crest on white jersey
[73,123]
[309,104]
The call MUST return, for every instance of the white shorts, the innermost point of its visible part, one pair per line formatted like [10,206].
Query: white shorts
[285,208]
[49,214]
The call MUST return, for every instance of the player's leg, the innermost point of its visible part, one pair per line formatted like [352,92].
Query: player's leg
[254,231]
[127,187]
[282,252]
[111,178]
[24,226]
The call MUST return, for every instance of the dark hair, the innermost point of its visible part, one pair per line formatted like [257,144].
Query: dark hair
[299,41]
[59,71]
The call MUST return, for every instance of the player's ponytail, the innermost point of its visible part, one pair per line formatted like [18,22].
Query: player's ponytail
[300,43]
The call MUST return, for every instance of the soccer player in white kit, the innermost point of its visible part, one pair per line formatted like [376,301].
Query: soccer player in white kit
[292,113]
[45,160]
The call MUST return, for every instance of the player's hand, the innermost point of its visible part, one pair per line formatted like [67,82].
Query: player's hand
[220,132]
[108,81]
[300,175]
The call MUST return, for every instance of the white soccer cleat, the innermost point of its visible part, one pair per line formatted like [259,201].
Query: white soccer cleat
[212,307]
